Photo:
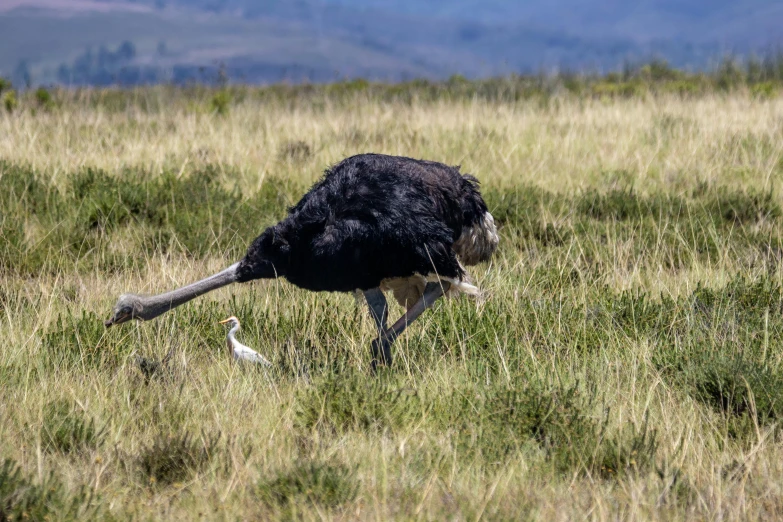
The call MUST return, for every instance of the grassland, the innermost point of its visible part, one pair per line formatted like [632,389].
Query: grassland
[623,362]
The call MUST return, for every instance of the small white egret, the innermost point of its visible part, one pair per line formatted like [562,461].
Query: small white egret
[239,351]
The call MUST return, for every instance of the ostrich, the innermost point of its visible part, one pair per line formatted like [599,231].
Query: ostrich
[373,223]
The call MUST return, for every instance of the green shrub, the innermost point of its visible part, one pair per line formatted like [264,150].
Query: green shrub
[198,214]
[175,458]
[220,102]
[729,74]
[10,102]
[564,423]
[764,90]
[744,207]
[82,342]
[317,483]
[43,98]
[625,204]
[659,70]
[631,451]
[613,90]
[499,421]
[551,235]
[687,87]
[716,345]
[344,402]
[67,429]
[23,499]
[746,392]
[81,220]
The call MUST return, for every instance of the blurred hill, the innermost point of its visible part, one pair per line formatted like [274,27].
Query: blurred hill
[104,42]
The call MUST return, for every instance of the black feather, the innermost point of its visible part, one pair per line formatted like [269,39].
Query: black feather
[370,217]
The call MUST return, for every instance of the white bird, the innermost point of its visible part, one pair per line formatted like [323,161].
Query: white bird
[239,351]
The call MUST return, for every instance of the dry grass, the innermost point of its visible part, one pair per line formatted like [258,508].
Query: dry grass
[664,143]
[439,436]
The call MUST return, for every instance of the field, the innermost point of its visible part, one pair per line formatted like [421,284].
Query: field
[622,362]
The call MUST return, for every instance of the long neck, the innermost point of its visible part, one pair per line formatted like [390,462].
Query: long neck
[231,339]
[156,305]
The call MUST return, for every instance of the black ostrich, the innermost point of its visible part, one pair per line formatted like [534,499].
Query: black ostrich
[373,223]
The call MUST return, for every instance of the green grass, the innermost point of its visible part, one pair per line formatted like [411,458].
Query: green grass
[67,430]
[172,459]
[623,360]
[311,482]
[23,498]
[204,216]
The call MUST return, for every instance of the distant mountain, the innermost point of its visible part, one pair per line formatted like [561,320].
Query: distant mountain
[90,41]
[719,22]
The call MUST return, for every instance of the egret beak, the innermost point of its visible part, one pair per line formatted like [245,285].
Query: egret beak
[228,320]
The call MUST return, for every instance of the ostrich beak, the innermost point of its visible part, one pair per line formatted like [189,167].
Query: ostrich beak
[128,307]
[119,317]
[116,320]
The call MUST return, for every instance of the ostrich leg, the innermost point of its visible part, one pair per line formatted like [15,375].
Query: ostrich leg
[382,345]
[379,310]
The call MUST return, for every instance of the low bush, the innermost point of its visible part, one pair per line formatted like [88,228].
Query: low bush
[68,430]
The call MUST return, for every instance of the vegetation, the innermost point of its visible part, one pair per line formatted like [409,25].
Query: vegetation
[44,98]
[10,101]
[623,360]
[68,430]
[326,485]
[761,77]
[174,458]
[22,498]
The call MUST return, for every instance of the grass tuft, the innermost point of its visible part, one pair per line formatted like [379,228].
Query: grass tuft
[175,458]
[494,424]
[295,151]
[317,483]
[83,343]
[344,402]
[68,430]
[220,102]
[747,393]
[633,450]
[21,498]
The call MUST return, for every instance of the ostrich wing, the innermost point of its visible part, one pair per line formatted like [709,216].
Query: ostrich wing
[344,252]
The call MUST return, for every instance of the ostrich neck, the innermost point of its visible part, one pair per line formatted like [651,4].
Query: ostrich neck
[155,305]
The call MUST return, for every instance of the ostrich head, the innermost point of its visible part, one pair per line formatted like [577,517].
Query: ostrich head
[129,306]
